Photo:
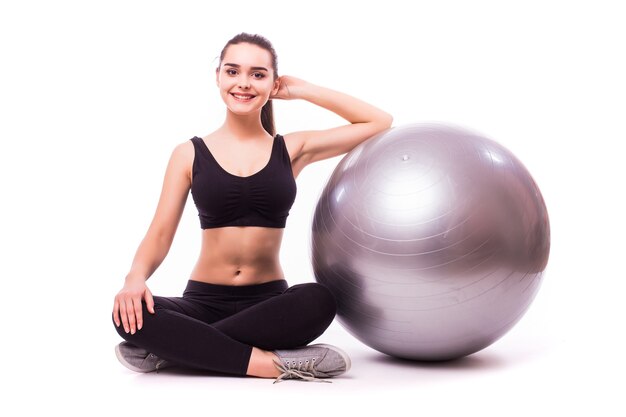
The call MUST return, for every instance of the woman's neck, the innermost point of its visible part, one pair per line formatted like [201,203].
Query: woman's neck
[243,127]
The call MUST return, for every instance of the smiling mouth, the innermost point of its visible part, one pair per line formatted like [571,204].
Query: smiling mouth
[242,97]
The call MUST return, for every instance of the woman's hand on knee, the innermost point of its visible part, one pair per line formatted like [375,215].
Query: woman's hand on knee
[127,305]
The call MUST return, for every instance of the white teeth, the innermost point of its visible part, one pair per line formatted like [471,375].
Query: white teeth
[242,97]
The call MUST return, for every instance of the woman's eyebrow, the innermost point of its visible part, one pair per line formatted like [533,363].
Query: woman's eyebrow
[238,66]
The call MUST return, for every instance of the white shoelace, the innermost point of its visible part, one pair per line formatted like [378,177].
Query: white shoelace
[300,371]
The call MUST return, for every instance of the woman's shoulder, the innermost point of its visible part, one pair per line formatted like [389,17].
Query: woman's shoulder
[294,142]
[185,147]
[182,156]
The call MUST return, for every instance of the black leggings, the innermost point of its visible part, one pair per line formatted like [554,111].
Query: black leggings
[214,327]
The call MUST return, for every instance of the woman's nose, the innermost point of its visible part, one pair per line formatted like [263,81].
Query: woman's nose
[244,82]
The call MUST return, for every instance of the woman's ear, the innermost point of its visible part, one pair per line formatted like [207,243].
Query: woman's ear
[276,86]
[217,77]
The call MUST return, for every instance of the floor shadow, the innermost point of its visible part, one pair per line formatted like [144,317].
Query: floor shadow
[478,361]
[193,372]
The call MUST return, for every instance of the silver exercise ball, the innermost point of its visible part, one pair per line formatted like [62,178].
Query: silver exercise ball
[433,240]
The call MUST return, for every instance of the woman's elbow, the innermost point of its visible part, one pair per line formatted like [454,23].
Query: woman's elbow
[388,120]
[385,120]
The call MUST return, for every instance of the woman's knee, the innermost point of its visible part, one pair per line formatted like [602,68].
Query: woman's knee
[317,297]
[146,318]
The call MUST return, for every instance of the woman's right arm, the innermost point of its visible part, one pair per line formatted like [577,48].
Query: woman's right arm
[157,242]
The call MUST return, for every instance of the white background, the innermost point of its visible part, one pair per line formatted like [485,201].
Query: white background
[95,95]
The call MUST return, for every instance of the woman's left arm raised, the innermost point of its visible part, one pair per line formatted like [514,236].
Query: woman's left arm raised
[316,145]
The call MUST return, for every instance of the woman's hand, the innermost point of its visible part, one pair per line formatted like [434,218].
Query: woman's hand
[127,305]
[290,88]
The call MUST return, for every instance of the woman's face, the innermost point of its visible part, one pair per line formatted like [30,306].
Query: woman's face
[246,78]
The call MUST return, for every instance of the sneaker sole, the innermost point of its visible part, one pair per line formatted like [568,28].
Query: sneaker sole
[343,354]
[124,362]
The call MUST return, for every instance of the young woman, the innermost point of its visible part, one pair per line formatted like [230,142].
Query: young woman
[237,314]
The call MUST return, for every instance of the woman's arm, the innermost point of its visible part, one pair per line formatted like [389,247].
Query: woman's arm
[315,145]
[157,242]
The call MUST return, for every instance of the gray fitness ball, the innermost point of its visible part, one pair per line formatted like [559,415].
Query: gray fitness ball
[433,240]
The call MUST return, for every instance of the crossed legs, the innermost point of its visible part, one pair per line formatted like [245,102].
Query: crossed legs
[234,329]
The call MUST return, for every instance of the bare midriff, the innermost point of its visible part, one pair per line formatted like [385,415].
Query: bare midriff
[239,256]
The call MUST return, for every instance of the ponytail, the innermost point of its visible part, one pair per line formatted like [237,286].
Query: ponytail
[267,118]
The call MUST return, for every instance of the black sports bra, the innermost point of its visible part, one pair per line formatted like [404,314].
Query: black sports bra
[224,199]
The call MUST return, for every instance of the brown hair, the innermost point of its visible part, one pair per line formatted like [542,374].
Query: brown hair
[267,112]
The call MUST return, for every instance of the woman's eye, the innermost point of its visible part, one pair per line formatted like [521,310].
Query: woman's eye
[257,75]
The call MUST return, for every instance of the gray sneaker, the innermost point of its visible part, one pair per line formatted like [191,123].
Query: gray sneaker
[310,363]
[138,359]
